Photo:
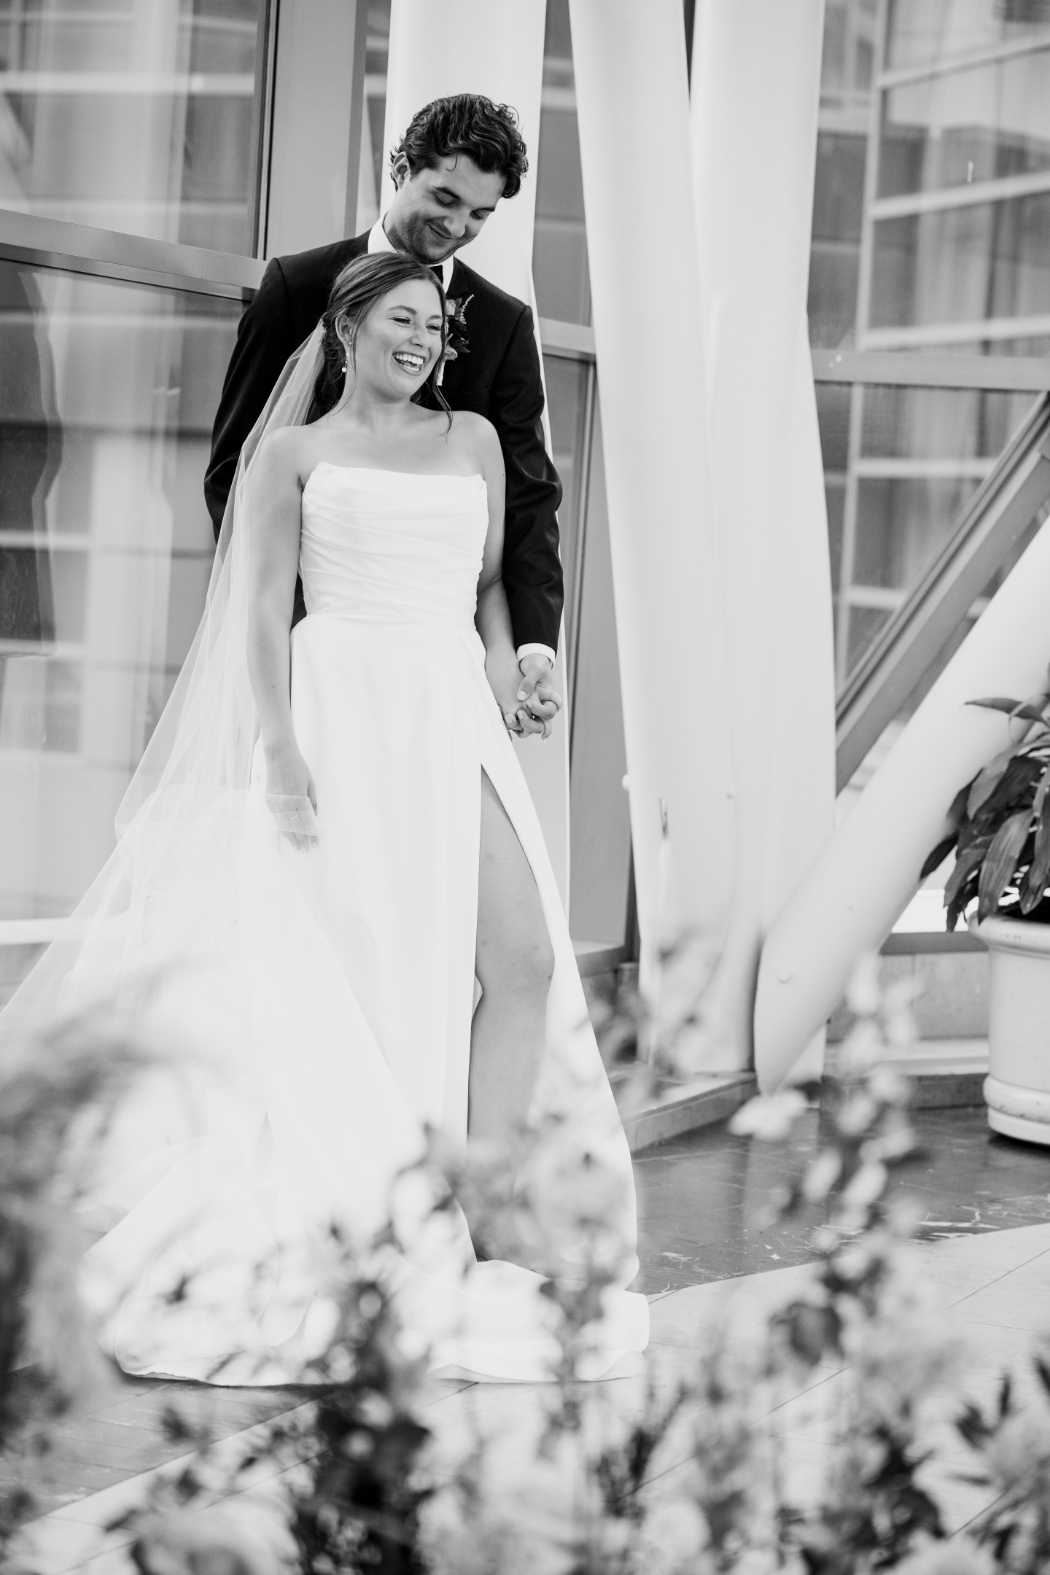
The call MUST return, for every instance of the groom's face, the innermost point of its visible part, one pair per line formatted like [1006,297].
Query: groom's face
[435,212]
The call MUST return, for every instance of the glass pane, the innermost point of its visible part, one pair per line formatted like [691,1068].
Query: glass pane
[939,423]
[901,522]
[375,162]
[559,253]
[846,59]
[983,124]
[136,116]
[923,452]
[107,393]
[833,407]
[989,260]
[599,810]
[921,32]
[567,409]
[835,247]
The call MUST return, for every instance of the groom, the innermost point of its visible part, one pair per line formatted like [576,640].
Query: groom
[458,157]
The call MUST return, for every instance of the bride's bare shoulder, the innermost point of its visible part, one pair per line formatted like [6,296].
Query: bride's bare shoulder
[287,451]
[475,436]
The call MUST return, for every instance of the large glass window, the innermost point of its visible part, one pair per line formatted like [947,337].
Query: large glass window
[107,395]
[928,32]
[138,116]
[931,236]
[984,123]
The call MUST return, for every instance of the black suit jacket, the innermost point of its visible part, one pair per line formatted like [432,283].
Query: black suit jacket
[499,378]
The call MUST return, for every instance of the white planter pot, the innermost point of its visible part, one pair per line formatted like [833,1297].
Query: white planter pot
[1017,1088]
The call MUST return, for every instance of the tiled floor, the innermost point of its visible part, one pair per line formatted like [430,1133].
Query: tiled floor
[701,1196]
[987,1248]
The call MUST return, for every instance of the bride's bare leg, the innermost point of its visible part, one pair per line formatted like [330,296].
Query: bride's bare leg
[515,962]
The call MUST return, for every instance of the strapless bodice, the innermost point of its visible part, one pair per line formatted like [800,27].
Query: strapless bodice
[383,546]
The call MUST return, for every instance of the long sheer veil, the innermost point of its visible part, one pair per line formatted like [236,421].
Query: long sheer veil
[167,888]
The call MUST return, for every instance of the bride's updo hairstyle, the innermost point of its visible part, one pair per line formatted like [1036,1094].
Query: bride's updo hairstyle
[356,290]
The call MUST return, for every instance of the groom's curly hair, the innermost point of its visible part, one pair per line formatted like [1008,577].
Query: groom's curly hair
[466,123]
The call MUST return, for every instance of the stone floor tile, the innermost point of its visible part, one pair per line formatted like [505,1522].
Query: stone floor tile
[682,1317]
[1010,1305]
[969,1263]
[966,1179]
[100,1509]
[50,1546]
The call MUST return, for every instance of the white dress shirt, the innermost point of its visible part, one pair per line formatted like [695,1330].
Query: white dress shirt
[379,241]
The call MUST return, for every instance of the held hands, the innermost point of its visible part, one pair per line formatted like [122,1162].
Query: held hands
[291,797]
[528,701]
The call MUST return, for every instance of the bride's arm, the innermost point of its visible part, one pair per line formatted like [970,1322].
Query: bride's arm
[492,617]
[275,519]
[520,713]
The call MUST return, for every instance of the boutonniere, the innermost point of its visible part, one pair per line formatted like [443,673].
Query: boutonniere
[456,341]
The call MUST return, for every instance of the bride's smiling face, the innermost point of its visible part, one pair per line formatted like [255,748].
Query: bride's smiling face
[399,340]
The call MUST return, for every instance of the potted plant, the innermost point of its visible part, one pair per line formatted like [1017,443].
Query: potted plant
[1000,831]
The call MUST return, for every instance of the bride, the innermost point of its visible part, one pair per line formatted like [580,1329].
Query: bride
[317,827]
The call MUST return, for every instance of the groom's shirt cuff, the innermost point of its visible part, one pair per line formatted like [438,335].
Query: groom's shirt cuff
[534,650]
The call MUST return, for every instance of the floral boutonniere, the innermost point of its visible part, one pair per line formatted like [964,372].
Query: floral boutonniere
[456,341]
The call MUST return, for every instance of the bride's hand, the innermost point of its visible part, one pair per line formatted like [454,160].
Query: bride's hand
[291,798]
[504,676]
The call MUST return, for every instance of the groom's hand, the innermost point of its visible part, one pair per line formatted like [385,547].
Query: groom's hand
[537,701]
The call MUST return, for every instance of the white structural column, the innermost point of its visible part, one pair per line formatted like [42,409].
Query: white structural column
[870,869]
[494,47]
[755,96]
[633,108]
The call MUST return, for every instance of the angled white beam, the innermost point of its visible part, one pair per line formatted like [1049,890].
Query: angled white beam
[755,97]
[869,870]
[633,107]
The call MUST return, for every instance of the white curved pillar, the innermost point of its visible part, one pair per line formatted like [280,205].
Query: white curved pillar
[870,868]
[755,96]
[633,107]
[439,47]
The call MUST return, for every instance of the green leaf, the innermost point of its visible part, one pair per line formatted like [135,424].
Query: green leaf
[966,894]
[986,781]
[998,704]
[1000,862]
[1035,880]
[1029,713]
[1041,791]
[1014,790]
[966,862]
[1026,709]
[937,857]
[957,812]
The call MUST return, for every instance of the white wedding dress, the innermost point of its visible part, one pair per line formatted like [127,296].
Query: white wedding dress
[328,994]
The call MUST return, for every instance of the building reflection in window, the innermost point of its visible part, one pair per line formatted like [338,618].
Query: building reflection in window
[931,234]
[108,395]
[30,453]
[136,116]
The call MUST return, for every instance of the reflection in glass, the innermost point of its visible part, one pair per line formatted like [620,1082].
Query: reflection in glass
[107,393]
[568,412]
[559,254]
[939,424]
[136,116]
[962,126]
[986,260]
[922,32]
[901,522]
[921,453]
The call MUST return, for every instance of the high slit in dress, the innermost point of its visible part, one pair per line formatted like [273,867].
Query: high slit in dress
[348,987]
